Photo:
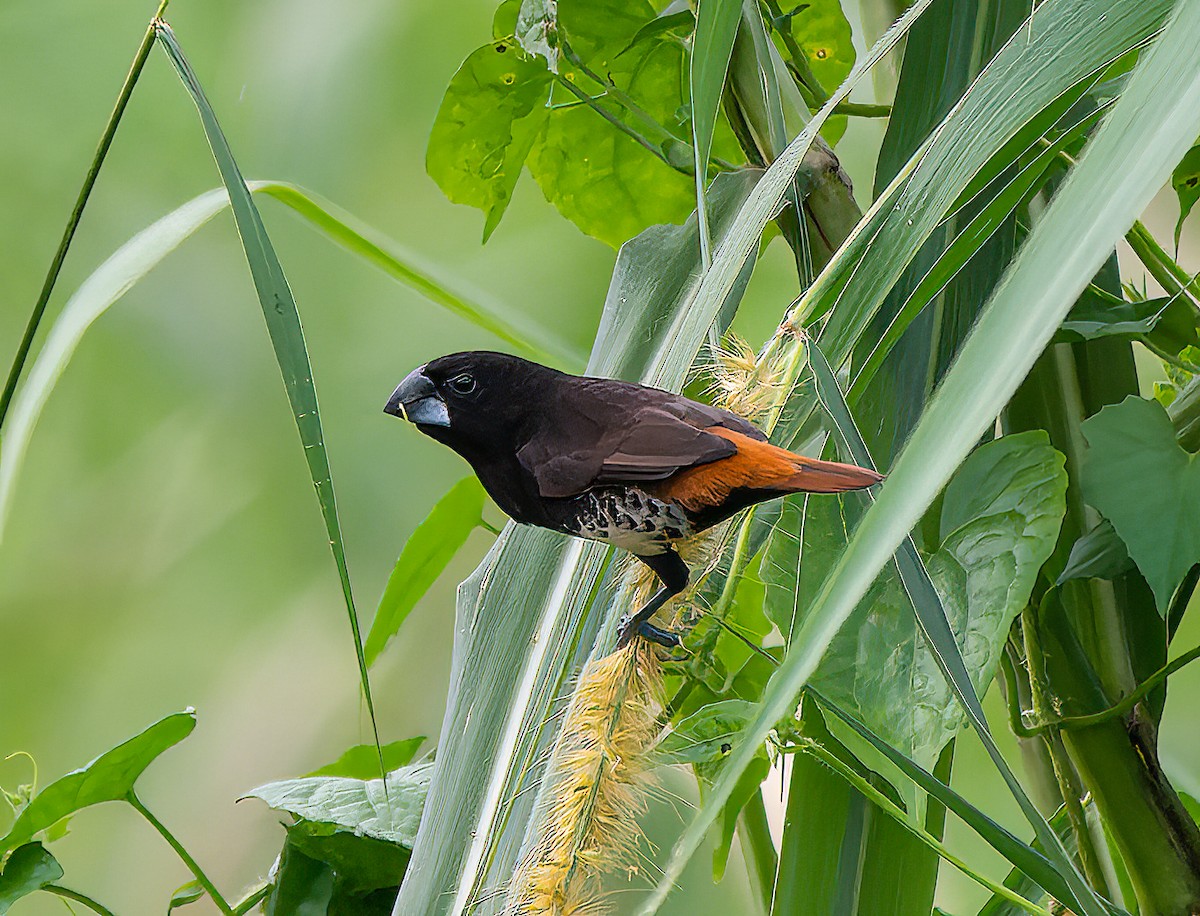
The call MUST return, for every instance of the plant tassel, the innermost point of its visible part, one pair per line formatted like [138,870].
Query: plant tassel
[599,776]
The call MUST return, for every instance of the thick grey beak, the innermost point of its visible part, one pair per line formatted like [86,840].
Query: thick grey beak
[416,400]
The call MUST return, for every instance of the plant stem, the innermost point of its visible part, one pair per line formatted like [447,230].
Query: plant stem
[87,901]
[805,78]
[183,854]
[251,900]
[89,182]
[757,848]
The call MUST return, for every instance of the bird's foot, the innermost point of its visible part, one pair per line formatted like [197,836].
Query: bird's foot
[631,626]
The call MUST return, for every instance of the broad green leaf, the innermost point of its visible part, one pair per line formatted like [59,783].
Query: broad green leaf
[1138,477]
[1099,554]
[287,339]
[600,178]
[504,20]
[425,554]
[824,35]
[142,253]
[303,886]
[28,869]
[1186,182]
[492,110]
[360,864]
[716,27]
[110,777]
[748,786]
[360,807]
[1167,323]
[361,762]
[1096,205]
[185,894]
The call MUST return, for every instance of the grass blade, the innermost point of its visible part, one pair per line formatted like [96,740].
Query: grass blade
[347,231]
[716,26]
[287,338]
[1131,156]
[89,182]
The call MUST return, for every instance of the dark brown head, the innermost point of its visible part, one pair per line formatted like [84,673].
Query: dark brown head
[472,401]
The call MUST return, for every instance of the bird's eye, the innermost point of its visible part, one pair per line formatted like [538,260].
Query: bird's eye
[463,384]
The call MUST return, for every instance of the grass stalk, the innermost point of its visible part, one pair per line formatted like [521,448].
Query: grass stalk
[181,851]
[85,192]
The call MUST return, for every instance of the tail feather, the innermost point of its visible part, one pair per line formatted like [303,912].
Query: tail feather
[816,476]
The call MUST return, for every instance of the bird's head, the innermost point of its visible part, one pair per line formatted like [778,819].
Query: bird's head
[468,399]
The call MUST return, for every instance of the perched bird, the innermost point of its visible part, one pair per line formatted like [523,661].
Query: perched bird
[632,466]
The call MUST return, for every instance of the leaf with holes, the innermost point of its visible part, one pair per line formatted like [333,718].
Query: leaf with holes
[1186,182]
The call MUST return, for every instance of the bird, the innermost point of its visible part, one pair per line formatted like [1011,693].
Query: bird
[636,467]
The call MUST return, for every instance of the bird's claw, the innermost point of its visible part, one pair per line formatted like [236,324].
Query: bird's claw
[648,631]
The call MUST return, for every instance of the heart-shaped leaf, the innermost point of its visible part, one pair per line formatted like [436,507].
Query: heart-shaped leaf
[1138,477]
[29,869]
[109,777]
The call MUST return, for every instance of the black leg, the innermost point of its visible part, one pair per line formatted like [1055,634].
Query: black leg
[673,573]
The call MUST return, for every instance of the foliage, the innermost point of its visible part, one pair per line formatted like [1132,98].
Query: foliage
[969,333]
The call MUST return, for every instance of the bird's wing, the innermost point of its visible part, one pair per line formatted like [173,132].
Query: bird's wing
[651,445]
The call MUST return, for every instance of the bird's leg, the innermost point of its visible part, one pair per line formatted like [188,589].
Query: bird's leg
[673,572]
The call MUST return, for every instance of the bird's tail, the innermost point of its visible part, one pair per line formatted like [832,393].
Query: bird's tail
[813,475]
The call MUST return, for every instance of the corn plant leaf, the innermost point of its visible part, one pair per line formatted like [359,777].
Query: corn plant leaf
[431,546]
[716,27]
[1186,182]
[1167,323]
[492,110]
[1137,475]
[30,868]
[1096,205]
[1021,883]
[110,777]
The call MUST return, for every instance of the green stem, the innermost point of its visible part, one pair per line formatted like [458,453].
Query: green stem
[1162,267]
[806,80]
[89,182]
[620,125]
[1117,710]
[87,901]
[251,900]
[183,854]
[758,849]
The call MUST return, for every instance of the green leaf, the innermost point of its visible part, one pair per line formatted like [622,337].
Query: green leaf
[1099,554]
[185,894]
[748,786]
[823,33]
[110,777]
[361,807]
[1186,182]
[1169,323]
[303,886]
[142,253]
[716,27]
[1093,209]
[1138,477]
[1026,886]
[287,337]
[600,178]
[360,864]
[1029,860]
[492,110]
[361,761]
[28,869]
[706,738]
[432,545]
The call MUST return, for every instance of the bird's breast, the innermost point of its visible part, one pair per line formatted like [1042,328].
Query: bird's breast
[629,518]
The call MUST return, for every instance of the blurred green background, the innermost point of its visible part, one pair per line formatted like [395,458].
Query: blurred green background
[165,549]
